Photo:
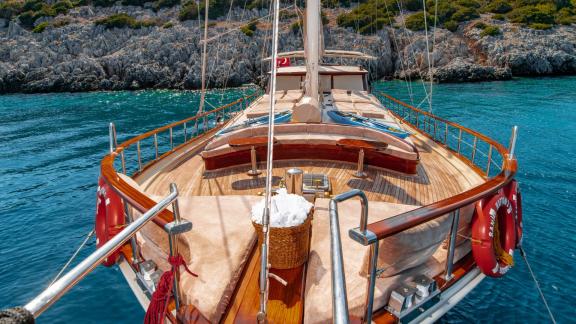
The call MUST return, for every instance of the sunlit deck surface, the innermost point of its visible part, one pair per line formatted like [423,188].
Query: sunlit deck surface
[440,175]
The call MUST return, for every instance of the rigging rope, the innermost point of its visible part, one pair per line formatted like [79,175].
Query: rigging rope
[158,307]
[428,56]
[72,257]
[410,41]
[524,256]
[264,266]
[204,52]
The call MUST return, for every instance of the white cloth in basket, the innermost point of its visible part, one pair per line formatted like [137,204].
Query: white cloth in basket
[286,210]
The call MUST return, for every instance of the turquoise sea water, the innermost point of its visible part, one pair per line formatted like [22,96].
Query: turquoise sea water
[51,146]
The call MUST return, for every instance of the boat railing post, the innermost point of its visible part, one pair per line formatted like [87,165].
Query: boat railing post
[435,128]
[171,140]
[185,133]
[446,134]
[175,228]
[474,149]
[156,144]
[114,145]
[139,156]
[133,242]
[452,244]
[489,161]
[459,139]
[513,142]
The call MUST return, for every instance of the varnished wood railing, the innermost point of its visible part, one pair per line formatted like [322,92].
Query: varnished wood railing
[430,126]
[200,126]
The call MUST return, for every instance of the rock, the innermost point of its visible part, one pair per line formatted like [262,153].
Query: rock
[82,56]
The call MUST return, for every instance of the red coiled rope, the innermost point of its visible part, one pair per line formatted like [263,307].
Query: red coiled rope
[158,307]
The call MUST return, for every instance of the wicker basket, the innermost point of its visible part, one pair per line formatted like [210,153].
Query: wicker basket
[288,245]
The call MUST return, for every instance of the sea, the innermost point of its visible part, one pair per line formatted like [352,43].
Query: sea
[51,146]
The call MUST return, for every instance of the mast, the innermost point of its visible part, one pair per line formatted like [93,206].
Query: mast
[308,109]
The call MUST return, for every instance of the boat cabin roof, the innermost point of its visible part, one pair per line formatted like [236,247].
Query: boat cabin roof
[323,69]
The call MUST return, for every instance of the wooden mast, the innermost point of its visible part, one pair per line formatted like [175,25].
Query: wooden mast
[308,109]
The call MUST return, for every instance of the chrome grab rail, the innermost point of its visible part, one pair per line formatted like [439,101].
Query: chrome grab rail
[340,312]
[53,293]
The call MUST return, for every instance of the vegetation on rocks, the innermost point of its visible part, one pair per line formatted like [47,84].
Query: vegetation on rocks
[490,31]
[249,28]
[373,15]
[123,20]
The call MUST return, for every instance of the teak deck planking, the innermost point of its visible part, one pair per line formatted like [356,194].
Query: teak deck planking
[440,175]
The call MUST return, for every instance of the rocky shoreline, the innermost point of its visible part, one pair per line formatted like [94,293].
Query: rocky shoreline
[83,56]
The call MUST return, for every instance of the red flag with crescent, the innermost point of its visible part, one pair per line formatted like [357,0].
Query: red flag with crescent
[282,61]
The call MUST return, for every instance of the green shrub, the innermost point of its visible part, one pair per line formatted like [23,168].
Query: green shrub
[123,20]
[464,14]
[10,8]
[565,17]
[531,15]
[480,25]
[189,11]
[369,16]
[159,4]
[62,7]
[451,25]
[168,25]
[465,3]
[540,26]
[374,26]
[416,21]
[412,5]
[40,27]
[249,28]
[27,18]
[490,31]
[499,17]
[295,27]
[32,5]
[499,7]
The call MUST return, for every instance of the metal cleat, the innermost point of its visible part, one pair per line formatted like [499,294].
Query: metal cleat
[424,287]
[401,298]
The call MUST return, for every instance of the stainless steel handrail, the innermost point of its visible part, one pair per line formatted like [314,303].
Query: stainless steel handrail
[53,293]
[340,312]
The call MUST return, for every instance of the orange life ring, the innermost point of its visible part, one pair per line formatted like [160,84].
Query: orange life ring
[494,235]
[513,194]
[109,218]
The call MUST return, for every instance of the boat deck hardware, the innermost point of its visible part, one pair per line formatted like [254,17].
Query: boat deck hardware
[316,185]
[254,163]
[411,296]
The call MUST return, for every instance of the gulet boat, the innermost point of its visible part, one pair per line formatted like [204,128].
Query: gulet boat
[402,227]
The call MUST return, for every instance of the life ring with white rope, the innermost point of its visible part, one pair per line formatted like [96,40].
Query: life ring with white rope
[494,235]
[110,218]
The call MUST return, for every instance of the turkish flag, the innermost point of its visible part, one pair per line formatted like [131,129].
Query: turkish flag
[282,61]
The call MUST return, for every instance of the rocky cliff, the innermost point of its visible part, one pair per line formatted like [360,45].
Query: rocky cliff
[79,55]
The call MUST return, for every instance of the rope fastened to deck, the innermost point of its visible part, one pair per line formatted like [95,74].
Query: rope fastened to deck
[158,307]
[16,315]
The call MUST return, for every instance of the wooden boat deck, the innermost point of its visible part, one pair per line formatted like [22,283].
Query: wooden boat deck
[440,175]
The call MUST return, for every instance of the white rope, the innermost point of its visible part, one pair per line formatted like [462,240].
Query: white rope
[410,42]
[407,78]
[264,266]
[537,285]
[204,57]
[72,257]
[428,55]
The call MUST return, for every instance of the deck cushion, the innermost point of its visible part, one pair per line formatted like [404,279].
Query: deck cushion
[220,244]
[318,293]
